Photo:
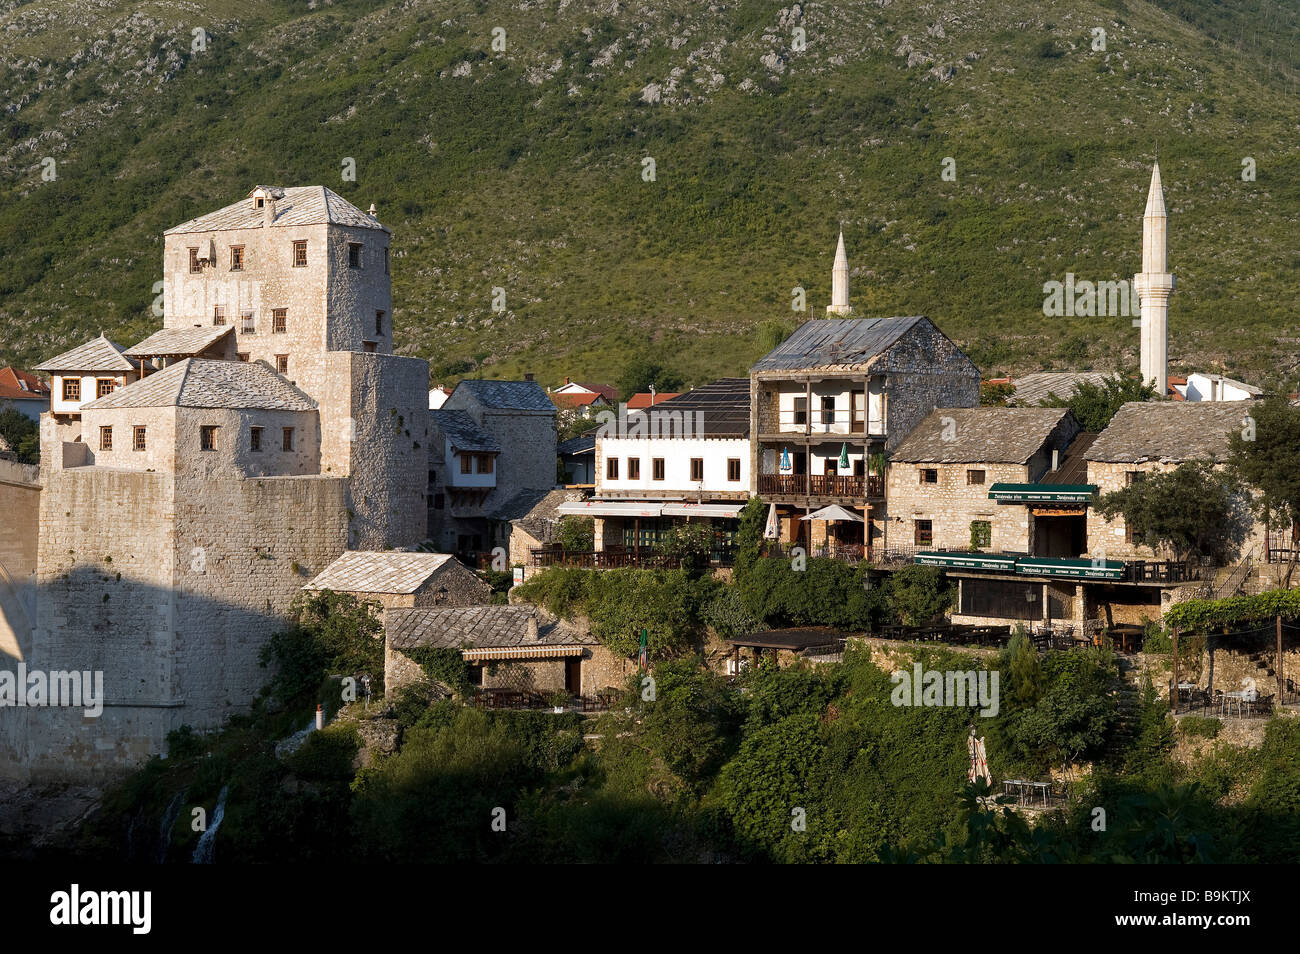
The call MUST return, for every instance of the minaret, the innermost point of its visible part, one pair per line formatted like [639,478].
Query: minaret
[1154,285]
[840,282]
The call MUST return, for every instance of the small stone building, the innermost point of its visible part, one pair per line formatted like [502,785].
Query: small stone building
[508,647]
[396,579]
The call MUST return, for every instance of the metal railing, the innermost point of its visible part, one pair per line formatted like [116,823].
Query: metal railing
[848,552]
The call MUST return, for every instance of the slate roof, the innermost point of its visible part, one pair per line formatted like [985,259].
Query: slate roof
[508,395]
[300,205]
[582,444]
[203,382]
[97,354]
[478,627]
[459,428]
[724,404]
[178,342]
[366,571]
[836,342]
[1002,435]
[534,510]
[1073,464]
[1170,431]
[1041,385]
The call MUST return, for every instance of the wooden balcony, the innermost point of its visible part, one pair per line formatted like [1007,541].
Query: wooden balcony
[821,486]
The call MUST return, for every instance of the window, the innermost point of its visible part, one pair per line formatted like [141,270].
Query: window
[354,255]
[72,389]
[801,410]
[255,439]
[485,463]
[1133,476]
[981,533]
[282,363]
[437,501]
[657,468]
[248,322]
[1129,537]
[379,322]
[259,202]
[929,475]
[218,314]
[368,347]
[286,438]
[194,261]
[300,253]
[208,437]
[104,387]
[634,468]
[828,409]
[105,438]
[923,533]
[611,469]
[279,321]
[466,464]
[697,468]
[236,258]
[385,261]
[138,441]
[974,476]
[733,469]
[242,355]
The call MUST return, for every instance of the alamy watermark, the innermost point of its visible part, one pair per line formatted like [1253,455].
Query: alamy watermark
[65,689]
[650,423]
[929,687]
[1086,299]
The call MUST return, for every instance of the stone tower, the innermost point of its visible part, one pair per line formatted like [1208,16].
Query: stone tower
[840,282]
[1154,285]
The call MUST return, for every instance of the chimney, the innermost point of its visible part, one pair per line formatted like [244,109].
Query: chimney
[528,375]
[372,212]
[268,210]
[1056,459]
[532,628]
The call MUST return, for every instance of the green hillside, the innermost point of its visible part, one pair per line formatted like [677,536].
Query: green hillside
[523,169]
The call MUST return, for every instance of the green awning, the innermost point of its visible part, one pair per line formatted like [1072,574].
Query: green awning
[969,561]
[1071,569]
[1042,493]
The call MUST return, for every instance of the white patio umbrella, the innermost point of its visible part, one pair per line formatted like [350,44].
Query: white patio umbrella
[772,530]
[834,513]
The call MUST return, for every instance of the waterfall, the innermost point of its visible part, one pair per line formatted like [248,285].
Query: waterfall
[204,851]
[165,829]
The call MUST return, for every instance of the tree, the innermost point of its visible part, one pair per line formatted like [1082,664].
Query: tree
[996,393]
[1265,455]
[577,534]
[640,374]
[917,594]
[1094,405]
[689,542]
[1192,510]
[21,433]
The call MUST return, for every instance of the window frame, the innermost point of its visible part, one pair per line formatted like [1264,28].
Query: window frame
[255,438]
[658,470]
[733,465]
[299,253]
[354,255]
[286,439]
[970,477]
[195,267]
[697,467]
[139,437]
[634,468]
[207,437]
[236,258]
[279,321]
[106,437]
[101,390]
[916,533]
[611,468]
[72,389]
[925,473]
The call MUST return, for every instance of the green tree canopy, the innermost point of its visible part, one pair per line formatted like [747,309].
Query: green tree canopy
[641,373]
[1192,510]
[1266,456]
[1095,404]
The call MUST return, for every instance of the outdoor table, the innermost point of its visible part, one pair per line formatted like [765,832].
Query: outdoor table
[1239,697]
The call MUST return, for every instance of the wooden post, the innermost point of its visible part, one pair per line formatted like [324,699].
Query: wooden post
[1173,689]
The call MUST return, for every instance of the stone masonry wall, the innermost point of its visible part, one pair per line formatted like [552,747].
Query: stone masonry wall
[952,504]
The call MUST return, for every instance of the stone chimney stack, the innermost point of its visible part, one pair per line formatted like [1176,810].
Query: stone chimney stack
[532,627]
[840,282]
[1154,285]
[268,210]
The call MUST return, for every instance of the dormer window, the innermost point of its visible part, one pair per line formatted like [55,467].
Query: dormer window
[259,202]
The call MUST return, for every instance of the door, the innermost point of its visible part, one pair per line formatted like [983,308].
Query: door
[573,676]
[859,412]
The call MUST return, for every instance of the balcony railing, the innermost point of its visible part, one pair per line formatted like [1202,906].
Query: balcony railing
[820,485]
[820,421]
[848,552]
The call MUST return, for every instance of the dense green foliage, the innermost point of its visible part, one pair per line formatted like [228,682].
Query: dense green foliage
[1192,510]
[577,534]
[1095,404]
[1266,457]
[522,169]
[1200,615]
[334,634]
[21,433]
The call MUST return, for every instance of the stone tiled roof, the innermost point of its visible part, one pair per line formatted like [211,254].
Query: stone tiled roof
[97,354]
[202,382]
[999,435]
[534,510]
[178,342]
[836,342]
[508,395]
[1170,431]
[1041,385]
[478,627]
[300,205]
[366,571]
[459,428]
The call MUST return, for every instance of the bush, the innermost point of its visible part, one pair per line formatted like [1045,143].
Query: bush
[1200,727]
[917,595]
[577,534]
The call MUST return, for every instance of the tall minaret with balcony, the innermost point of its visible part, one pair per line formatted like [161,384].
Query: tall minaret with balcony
[1154,285]
[840,282]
